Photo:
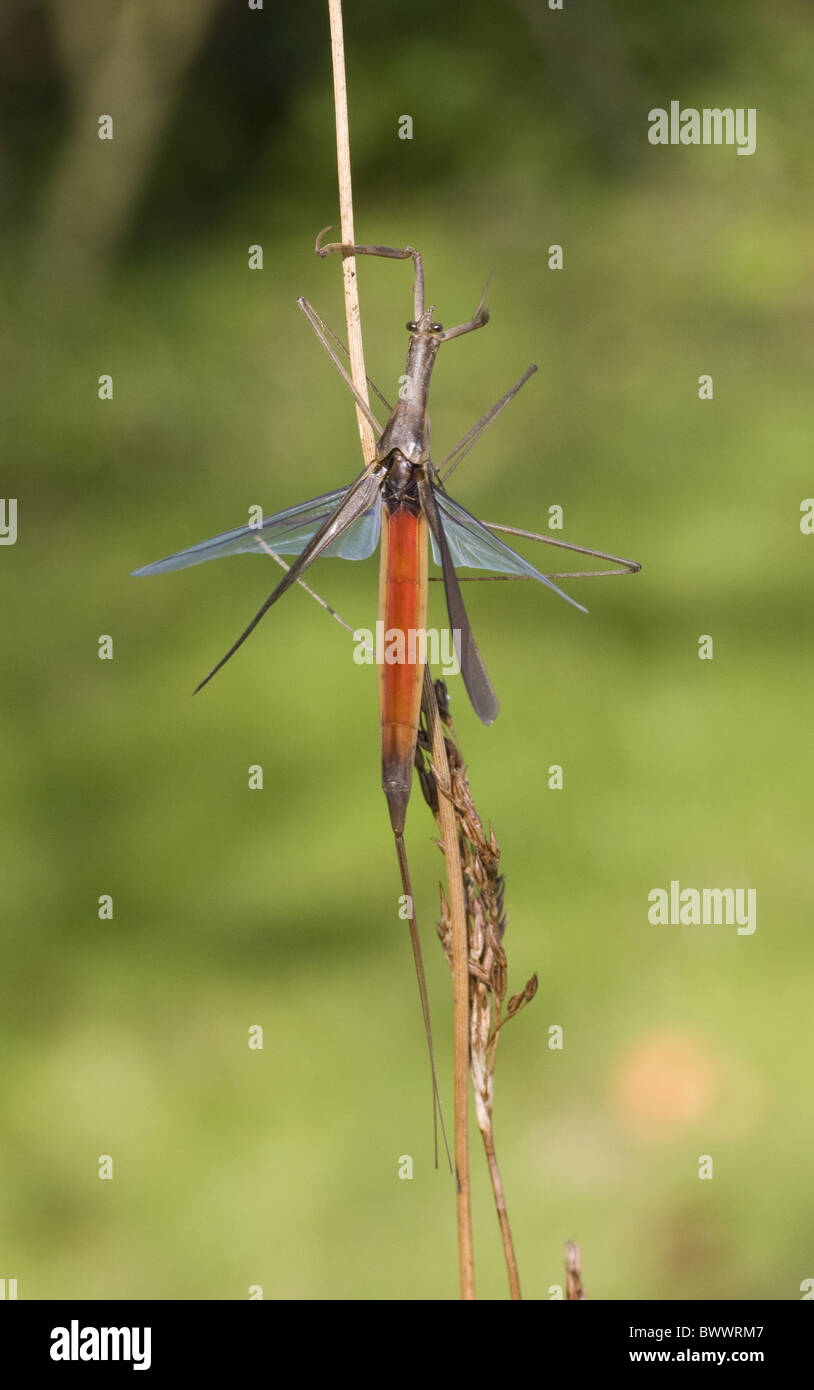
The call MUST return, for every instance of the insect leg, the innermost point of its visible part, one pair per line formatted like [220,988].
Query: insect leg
[315,318]
[315,322]
[630,566]
[472,436]
[391,253]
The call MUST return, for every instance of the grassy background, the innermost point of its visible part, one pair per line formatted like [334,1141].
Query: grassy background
[278,907]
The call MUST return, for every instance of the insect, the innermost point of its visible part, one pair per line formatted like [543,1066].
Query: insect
[399,497]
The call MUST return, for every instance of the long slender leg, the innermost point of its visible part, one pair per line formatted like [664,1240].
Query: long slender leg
[307,587]
[630,566]
[472,436]
[328,331]
[478,319]
[520,578]
[359,496]
[315,322]
[462,448]
[391,253]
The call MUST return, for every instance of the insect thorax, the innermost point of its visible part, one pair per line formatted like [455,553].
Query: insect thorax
[400,487]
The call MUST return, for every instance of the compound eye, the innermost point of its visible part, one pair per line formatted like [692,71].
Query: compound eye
[436,328]
[412,326]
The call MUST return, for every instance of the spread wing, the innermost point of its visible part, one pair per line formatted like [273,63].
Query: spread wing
[286,532]
[353,505]
[472,545]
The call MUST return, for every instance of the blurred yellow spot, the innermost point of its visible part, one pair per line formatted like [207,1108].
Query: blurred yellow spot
[665,1084]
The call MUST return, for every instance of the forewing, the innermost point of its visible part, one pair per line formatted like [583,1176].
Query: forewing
[476,678]
[287,533]
[356,501]
[472,545]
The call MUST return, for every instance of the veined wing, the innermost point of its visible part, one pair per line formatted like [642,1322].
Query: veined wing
[360,498]
[286,532]
[472,545]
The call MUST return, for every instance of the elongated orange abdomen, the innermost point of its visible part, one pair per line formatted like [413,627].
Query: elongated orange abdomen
[403,611]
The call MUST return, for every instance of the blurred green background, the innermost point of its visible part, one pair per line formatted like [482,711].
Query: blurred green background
[279,907]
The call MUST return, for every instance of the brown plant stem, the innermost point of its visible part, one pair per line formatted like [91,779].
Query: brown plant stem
[352,315]
[488,1136]
[483,894]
